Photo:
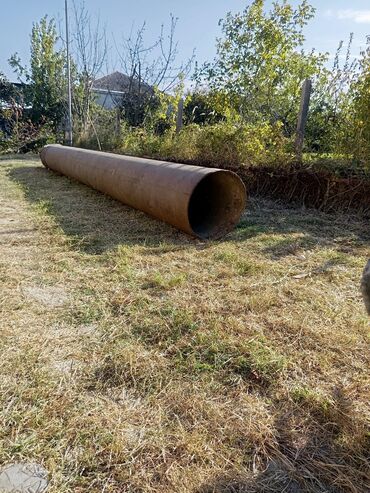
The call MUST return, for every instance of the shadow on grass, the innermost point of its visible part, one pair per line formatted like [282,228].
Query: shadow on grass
[19,157]
[95,222]
[344,232]
[327,453]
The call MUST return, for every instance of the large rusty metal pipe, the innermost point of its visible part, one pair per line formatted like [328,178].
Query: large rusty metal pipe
[203,202]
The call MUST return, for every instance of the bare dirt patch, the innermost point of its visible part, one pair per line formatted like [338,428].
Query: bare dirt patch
[23,478]
[49,296]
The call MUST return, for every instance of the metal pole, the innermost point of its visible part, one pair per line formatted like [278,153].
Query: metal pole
[302,117]
[69,139]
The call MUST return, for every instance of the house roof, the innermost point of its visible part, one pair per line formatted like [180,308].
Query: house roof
[117,81]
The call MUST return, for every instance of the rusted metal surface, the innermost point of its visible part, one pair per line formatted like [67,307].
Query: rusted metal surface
[203,202]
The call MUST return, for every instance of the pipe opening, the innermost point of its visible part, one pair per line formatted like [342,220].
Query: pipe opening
[216,204]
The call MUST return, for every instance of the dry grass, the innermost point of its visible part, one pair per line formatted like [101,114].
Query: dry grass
[136,359]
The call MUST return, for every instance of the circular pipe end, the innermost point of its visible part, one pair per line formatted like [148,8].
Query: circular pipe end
[43,153]
[216,204]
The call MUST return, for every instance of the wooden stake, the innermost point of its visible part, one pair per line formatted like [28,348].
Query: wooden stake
[302,117]
[180,111]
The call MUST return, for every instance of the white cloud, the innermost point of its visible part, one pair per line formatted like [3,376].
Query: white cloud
[359,16]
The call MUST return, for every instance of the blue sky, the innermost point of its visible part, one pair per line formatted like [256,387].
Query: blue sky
[197,25]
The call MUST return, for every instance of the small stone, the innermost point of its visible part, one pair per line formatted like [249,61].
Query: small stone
[23,478]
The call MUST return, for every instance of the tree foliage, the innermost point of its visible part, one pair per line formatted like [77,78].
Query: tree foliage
[199,109]
[9,111]
[362,103]
[329,100]
[44,78]
[8,92]
[260,63]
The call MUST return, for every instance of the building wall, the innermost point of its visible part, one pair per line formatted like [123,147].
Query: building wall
[107,99]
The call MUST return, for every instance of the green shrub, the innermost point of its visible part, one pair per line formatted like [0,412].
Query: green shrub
[354,136]
[199,108]
[222,144]
[242,144]
[102,132]
[26,137]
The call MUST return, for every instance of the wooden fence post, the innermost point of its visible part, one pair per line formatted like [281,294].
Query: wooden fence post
[302,117]
[118,123]
[180,111]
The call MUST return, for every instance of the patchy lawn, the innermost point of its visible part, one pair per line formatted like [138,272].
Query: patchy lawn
[136,359]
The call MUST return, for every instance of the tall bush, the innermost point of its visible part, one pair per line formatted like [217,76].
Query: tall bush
[45,79]
[222,144]
[261,64]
